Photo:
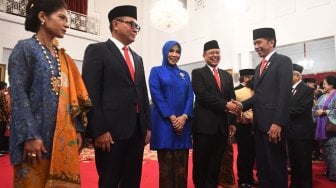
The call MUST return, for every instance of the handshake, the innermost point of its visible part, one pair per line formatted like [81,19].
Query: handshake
[234,107]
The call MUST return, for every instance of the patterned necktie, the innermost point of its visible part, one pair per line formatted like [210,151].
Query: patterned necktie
[262,67]
[128,62]
[216,75]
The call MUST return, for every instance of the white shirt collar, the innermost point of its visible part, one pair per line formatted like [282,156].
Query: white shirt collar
[296,84]
[117,43]
[211,68]
[269,55]
[120,47]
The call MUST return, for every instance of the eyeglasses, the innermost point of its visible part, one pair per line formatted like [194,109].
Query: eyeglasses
[130,23]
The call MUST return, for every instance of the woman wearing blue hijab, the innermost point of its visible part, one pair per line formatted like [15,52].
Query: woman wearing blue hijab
[172,98]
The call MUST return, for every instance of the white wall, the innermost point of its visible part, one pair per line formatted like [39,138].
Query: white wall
[293,20]
[205,24]
[75,42]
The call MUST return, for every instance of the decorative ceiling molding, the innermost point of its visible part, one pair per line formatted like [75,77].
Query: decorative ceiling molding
[199,4]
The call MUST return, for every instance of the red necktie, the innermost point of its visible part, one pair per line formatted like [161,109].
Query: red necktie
[130,68]
[262,67]
[216,75]
[128,62]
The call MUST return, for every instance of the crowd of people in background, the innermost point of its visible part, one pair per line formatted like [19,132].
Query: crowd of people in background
[272,114]
[5,112]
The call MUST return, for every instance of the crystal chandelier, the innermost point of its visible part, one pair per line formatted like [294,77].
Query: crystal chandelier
[168,15]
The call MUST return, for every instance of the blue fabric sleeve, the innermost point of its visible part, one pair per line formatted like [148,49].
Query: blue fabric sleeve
[19,85]
[158,98]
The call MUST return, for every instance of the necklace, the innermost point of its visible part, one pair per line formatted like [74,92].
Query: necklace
[55,81]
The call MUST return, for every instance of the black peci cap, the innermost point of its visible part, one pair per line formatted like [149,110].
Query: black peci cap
[246,72]
[311,80]
[298,68]
[264,33]
[125,10]
[213,44]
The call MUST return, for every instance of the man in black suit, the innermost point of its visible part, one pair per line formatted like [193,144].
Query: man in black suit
[119,122]
[300,133]
[317,154]
[272,87]
[245,76]
[244,134]
[212,123]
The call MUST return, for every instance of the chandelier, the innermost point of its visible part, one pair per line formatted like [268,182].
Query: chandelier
[168,15]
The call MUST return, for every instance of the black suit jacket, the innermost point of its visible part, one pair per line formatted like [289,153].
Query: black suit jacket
[113,93]
[271,93]
[301,120]
[210,114]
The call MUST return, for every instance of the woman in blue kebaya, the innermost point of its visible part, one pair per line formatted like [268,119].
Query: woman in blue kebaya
[172,98]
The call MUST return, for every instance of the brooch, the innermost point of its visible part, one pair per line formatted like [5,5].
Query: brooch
[182,75]
[267,64]
[294,92]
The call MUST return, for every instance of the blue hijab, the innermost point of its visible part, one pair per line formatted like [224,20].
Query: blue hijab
[165,50]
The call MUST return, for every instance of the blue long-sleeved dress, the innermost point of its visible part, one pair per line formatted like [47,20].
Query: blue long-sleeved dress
[34,104]
[171,94]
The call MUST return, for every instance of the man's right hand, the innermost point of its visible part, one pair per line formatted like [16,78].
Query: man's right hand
[104,142]
[234,107]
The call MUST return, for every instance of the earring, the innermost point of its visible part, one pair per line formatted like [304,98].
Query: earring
[42,23]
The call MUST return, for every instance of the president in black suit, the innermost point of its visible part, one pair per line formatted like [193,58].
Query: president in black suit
[300,133]
[272,87]
[119,122]
[212,124]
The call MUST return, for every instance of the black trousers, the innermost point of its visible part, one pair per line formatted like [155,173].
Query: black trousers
[300,152]
[271,160]
[207,157]
[122,166]
[246,153]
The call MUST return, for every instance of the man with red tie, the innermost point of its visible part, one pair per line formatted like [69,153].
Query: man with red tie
[212,124]
[270,103]
[119,121]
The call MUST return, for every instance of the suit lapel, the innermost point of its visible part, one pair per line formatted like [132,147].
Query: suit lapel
[120,57]
[222,80]
[297,88]
[268,66]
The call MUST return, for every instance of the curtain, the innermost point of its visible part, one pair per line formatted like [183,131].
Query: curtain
[79,6]
[319,76]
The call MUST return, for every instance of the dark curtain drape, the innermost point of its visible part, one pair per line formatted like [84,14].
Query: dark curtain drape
[79,6]
[319,76]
